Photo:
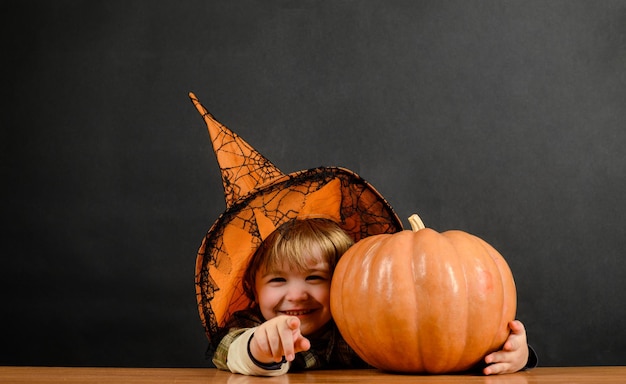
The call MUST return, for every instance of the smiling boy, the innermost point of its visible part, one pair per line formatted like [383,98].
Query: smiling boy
[288,281]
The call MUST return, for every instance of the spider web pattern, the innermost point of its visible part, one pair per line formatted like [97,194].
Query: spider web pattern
[363,212]
[242,167]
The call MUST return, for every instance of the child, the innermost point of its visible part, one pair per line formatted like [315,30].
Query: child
[289,325]
[279,317]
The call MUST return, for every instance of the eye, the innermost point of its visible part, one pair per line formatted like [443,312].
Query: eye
[277,280]
[316,278]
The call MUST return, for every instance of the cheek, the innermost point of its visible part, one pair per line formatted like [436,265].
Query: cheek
[322,295]
[267,299]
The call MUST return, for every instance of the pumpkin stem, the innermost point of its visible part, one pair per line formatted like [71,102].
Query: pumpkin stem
[416,223]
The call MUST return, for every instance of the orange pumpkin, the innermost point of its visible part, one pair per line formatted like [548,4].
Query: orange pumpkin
[421,301]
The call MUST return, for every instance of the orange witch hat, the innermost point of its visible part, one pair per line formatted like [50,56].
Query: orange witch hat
[259,198]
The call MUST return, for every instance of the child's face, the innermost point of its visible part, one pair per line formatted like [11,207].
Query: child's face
[304,294]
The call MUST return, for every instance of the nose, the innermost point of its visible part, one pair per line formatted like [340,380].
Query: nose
[297,292]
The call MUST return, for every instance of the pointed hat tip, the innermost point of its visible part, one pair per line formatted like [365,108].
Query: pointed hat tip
[243,168]
[197,104]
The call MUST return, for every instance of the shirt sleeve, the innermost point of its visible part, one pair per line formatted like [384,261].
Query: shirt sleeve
[221,352]
[533,358]
[240,361]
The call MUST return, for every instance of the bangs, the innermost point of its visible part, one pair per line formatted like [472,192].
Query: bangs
[302,242]
[300,252]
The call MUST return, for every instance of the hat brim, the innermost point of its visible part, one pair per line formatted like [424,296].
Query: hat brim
[228,246]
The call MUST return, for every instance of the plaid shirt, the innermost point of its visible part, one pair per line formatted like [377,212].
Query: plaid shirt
[328,350]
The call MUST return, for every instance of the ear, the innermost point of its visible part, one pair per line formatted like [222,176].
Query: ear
[250,292]
[254,298]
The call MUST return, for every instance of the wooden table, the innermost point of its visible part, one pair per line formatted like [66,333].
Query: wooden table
[48,375]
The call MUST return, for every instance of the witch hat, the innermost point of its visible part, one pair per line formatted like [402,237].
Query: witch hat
[259,198]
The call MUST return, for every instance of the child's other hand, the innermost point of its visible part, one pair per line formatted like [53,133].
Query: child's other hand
[513,355]
[276,338]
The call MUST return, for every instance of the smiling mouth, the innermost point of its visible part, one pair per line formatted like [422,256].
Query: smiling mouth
[298,313]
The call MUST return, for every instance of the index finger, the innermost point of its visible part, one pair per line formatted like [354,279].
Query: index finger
[286,333]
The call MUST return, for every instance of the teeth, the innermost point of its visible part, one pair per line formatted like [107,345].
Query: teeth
[296,313]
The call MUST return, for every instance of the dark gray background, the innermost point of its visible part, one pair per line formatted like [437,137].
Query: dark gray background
[506,119]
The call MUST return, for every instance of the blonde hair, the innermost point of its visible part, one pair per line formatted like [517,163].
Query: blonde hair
[291,245]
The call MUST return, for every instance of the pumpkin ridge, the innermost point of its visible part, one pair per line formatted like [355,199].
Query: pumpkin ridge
[367,257]
[403,274]
[455,243]
[490,343]
[468,326]
[415,264]
[383,271]
[499,339]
